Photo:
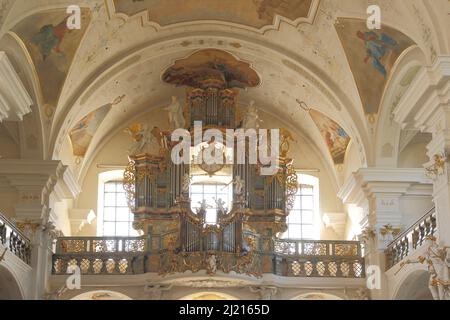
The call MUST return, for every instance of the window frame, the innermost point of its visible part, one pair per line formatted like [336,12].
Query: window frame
[217,182]
[104,178]
[313,182]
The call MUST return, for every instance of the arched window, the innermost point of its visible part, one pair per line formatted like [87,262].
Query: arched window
[303,218]
[114,216]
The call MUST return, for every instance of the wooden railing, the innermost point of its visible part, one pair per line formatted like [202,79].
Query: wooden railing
[14,240]
[411,239]
[127,255]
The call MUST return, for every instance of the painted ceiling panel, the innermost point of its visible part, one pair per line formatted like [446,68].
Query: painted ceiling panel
[252,13]
[82,133]
[371,55]
[52,47]
[334,135]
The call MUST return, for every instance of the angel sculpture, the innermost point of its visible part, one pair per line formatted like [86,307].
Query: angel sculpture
[176,117]
[221,206]
[438,260]
[142,137]
[251,118]
[201,211]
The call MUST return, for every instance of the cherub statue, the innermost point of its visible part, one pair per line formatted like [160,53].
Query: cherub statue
[251,119]
[203,206]
[221,205]
[176,117]
[438,261]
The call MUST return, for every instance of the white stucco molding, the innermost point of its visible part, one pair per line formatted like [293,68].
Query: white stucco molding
[15,102]
[429,91]
[40,178]
[387,181]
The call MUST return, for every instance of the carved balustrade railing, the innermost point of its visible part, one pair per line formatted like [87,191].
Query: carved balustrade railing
[106,255]
[411,239]
[14,240]
[128,255]
[304,258]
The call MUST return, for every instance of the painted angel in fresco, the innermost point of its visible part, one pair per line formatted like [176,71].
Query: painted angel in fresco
[49,38]
[378,47]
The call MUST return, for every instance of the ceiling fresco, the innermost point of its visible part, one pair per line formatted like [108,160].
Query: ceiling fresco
[52,47]
[211,64]
[371,55]
[335,137]
[82,133]
[252,13]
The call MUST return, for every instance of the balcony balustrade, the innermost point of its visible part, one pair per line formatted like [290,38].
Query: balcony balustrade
[14,240]
[137,255]
[411,239]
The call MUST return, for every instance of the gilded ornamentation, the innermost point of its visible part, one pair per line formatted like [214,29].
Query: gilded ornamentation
[437,165]
[389,231]
[366,235]
[285,136]
[291,186]
[129,178]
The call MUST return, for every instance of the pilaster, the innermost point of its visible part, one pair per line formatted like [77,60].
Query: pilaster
[426,106]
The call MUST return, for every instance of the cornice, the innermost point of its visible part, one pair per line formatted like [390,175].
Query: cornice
[386,181]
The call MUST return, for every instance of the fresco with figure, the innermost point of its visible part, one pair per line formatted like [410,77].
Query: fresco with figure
[211,64]
[371,55]
[52,47]
[256,13]
[336,138]
[82,133]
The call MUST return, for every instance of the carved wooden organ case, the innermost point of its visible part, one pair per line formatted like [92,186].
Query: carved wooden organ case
[242,238]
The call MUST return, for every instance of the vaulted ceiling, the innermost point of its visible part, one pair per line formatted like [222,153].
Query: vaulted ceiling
[319,53]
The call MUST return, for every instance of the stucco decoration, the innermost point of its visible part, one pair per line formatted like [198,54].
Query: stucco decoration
[371,55]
